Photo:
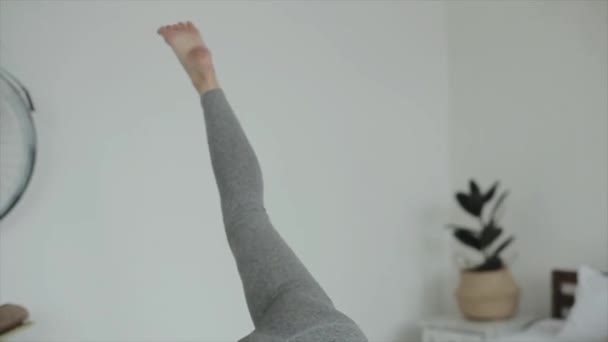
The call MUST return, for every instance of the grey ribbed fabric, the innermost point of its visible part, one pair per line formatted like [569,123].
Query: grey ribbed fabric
[285,301]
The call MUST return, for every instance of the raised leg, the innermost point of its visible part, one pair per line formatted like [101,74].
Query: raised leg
[284,300]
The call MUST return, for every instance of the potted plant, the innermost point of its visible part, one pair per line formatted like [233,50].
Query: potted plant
[487,289]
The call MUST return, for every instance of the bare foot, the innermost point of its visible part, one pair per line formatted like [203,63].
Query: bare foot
[186,42]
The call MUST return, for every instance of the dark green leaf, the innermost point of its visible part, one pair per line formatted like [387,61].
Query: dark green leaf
[498,209]
[470,204]
[474,188]
[468,238]
[454,226]
[490,194]
[491,264]
[489,234]
[502,246]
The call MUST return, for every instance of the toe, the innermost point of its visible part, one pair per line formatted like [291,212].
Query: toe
[171,30]
[190,26]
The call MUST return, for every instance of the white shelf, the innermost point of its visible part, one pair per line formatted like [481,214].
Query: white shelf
[456,329]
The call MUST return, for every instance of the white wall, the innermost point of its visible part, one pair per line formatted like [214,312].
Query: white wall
[528,106]
[119,237]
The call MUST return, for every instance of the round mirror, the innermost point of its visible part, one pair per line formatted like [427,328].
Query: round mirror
[17,141]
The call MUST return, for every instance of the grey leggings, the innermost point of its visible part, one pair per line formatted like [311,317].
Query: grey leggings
[285,301]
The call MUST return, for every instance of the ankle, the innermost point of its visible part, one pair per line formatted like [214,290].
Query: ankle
[206,82]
